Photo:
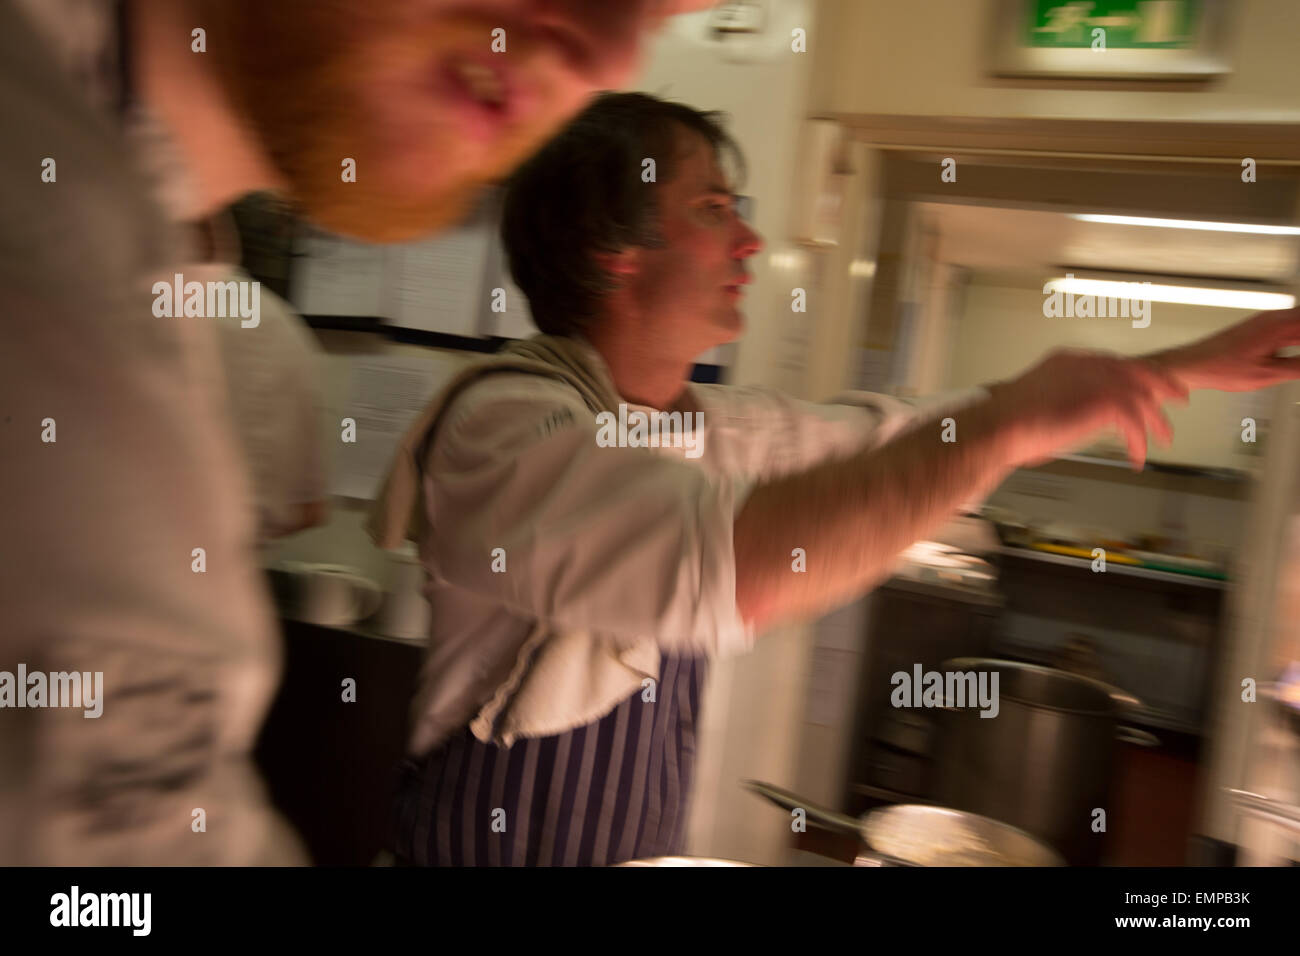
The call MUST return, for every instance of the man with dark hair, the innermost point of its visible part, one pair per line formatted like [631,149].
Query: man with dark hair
[596,528]
[586,191]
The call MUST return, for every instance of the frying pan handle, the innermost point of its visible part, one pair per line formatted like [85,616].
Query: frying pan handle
[1123,698]
[1131,735]
[816,813]
[872,858]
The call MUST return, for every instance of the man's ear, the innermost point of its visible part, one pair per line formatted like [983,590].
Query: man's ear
[622,264]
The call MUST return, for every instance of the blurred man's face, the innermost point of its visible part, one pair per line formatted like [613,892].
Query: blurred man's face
[414,92]
[690,290]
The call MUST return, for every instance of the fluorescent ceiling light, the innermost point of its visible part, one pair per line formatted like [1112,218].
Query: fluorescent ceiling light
[1179,294]
[791,260]
[1191,224]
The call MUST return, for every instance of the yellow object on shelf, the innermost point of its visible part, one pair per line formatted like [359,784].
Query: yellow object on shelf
[1112,557]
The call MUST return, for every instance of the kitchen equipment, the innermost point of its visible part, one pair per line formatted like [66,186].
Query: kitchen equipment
[907,731]
[909,622]
[944,564]
[1044,764]
[899,760]
[1080,656]
[1284,693]
[329,595]
[683,861]
[897,772]
[1080,552]
[915,835]
[404,612]
[1178,564]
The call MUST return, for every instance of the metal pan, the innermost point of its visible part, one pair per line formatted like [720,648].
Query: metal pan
[1045,762]
[910,834]
[683,861]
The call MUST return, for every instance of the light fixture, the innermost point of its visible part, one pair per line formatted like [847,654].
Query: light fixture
[790,260]
[1245,227]
[1177,294]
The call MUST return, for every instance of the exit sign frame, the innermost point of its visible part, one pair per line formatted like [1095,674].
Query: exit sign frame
[1145,39]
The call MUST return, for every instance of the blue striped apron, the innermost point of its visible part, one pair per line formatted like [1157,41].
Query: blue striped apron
[614,790]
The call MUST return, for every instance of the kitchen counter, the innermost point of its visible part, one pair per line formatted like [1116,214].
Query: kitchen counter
[330,765]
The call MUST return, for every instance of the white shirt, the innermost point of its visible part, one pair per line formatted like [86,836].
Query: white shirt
[626,543]
[101,526]
[273,382]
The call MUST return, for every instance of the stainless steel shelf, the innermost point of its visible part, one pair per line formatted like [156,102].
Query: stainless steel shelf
[1164,467]
[1126,570]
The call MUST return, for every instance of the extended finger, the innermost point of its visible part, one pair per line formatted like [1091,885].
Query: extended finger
[1158,424]
[1132,425]
[1150,406]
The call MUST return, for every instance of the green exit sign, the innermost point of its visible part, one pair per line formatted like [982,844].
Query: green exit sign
[1112,39]
[1113,24]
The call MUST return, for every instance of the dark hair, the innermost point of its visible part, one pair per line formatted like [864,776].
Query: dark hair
[583,194]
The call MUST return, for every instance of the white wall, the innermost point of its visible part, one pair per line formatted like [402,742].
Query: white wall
[765,102]
[1002,331]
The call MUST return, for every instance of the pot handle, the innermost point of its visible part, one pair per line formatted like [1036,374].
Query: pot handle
[816,813]
[871,858]
[1123,698]
[1131,735]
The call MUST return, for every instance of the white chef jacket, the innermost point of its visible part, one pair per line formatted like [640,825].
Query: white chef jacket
[625,543]
[273,384]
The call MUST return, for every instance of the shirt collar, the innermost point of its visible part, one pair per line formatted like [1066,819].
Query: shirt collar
[598,364]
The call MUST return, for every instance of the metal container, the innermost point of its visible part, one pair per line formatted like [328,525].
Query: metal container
[939,836]
[683,861]
[911,834]
[1046,762]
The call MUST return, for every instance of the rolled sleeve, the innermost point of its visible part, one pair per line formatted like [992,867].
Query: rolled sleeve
[897,415]
[527,510]
[854,420]
[775,434]
[888,418]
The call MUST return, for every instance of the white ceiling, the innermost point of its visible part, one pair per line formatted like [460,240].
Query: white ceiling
[1018,240]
